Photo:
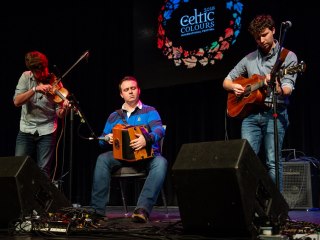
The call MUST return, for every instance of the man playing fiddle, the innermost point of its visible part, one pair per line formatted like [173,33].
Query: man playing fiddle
[39,112]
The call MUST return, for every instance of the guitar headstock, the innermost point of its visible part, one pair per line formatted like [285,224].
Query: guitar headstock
[299,68]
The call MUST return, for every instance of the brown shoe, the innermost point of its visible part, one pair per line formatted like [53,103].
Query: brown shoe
[102,222]
[140,215]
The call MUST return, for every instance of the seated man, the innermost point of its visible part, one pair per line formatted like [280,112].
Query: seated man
[133,113]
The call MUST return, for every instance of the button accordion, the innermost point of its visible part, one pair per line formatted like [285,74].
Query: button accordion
[122,135]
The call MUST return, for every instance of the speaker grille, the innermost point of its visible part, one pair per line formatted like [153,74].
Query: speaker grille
[297,188]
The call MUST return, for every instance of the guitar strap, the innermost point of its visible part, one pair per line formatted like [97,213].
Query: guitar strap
[283,55]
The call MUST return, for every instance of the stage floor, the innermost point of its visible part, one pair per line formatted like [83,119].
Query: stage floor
[162,225]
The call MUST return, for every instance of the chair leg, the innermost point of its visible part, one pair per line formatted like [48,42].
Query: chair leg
[124,202]
[164,200]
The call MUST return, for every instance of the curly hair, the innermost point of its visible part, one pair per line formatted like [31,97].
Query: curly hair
[36,60]
[259,23]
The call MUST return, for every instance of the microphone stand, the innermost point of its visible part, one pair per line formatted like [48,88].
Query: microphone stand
[275,77]
[81,115]
[74,109]
[71,152]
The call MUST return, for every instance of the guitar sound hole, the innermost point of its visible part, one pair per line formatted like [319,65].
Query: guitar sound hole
[247,91]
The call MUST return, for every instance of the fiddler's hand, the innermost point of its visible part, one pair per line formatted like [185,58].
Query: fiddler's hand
[66,105]
[44,88]
[63,109]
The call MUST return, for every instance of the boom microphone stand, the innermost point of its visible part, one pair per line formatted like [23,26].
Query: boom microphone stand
[75,109]
[275,77]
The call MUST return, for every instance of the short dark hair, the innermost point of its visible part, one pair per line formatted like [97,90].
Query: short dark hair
[259,23]
[127,78]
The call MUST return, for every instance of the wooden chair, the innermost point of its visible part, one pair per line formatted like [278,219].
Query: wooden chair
[137,174]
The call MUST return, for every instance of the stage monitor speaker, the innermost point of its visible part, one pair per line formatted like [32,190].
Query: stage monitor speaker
[297,185]
[223,190]
[26,191]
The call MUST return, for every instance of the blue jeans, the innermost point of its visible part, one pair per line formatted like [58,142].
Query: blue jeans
[41,148]
[259,129]
[106,164]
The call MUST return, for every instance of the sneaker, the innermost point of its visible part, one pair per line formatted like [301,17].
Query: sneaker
[140,215]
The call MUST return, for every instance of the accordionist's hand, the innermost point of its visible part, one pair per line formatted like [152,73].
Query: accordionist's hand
[139,142]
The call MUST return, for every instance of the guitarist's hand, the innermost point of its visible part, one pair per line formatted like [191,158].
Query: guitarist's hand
[279,90]
[267,79]
[237,89]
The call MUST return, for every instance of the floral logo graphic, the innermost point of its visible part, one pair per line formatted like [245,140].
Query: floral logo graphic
[202,55]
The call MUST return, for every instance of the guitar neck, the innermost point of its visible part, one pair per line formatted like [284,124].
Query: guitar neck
[258,85]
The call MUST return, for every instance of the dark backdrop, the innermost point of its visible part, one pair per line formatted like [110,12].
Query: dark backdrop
[193,110]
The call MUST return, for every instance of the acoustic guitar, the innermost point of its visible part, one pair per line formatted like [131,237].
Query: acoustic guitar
[255,92]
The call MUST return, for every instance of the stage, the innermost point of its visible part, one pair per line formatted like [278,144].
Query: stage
[162,225]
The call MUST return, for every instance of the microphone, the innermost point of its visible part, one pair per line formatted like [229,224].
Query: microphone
[287,24]
[105,138]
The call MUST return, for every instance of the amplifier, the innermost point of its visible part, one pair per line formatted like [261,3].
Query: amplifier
[297,186]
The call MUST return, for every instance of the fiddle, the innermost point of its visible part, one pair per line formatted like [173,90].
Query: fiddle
[57,92]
